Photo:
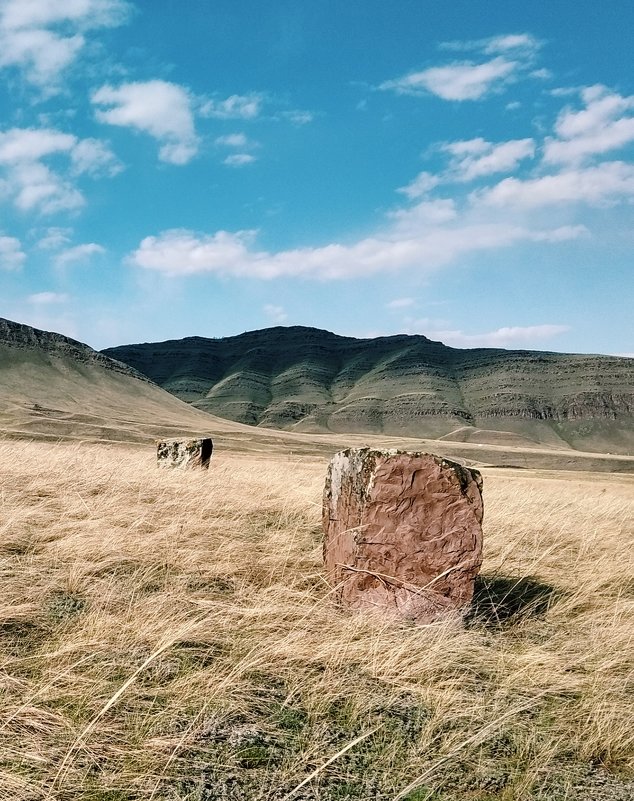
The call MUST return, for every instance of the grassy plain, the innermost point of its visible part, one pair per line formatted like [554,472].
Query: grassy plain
[170,637]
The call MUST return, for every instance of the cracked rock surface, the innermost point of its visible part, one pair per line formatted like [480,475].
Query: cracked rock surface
[403,533]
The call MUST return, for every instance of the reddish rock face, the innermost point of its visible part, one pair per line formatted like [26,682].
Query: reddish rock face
[403,532]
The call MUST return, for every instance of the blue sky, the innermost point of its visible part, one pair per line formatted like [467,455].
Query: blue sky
[463,170]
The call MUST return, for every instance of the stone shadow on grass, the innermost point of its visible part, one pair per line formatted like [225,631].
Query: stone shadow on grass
[503,600]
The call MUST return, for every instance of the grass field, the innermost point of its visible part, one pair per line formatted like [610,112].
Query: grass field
[170,636]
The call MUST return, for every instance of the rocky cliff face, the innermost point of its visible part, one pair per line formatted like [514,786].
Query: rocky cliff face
[312,380]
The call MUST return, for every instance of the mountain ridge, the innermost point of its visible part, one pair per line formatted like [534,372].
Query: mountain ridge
[306,379]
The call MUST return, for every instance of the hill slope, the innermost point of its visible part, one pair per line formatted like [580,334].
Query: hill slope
[51,385]
[310,380]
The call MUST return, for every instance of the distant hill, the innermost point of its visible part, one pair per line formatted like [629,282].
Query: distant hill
[53,386]
[309,380]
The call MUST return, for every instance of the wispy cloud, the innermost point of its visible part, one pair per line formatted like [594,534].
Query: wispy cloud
[459,81]
[12,257]
[54,238]
[404,245]
[42,38]
[420,186]
[79,254]
[275,313]
[233,140]
[297,116]
[239,159]
[401,303]
[47,298]
[476,158]
[511,336]
[234,107]
[502,60]
[159,108]
[523,43]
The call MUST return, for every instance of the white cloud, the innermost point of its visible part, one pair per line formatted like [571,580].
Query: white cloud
[35,187]
[239,159]
[401,303]
[476,158]
[421,185]
[404,246]
[422,216]
[235,107]
[159,108]
[47,298]
[55,238]
[606,183]
[298,117]
[276,313]
[12,257]
[42,38]
[523,44]
[86,14]
[94,157]
[542,74]
[514,41]
[606,123]
[232,140]
[461,81]
[78,254]
[512,336]
[32,184]
[31,144]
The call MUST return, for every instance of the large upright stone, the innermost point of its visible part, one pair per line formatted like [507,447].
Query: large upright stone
[185,454]
[403,532]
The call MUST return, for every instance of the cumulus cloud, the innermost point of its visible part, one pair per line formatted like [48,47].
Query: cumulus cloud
[605,123]
[12,257]
[603,184]
[78,254]
[32,184]
[159,108]
[512,336]
[42,38]
[460,81]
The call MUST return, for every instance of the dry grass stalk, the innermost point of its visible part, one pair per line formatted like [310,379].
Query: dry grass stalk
[170,636]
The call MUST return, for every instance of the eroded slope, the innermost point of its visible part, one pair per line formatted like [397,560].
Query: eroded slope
[310,380]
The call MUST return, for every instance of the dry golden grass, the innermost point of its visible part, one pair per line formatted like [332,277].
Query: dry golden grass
[169,635]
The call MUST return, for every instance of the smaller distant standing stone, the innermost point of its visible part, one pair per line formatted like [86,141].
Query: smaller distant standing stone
[403,533]
[184,454]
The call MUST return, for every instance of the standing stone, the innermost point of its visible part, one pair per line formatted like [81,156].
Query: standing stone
[403,532]
[185,454]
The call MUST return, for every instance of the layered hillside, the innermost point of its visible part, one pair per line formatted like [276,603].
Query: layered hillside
[310,380]
[53,386]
